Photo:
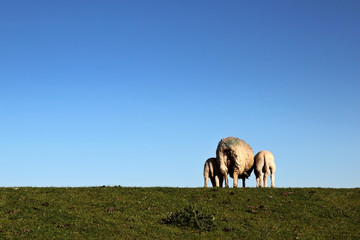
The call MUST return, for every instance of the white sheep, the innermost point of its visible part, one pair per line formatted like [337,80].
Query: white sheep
[264,163]
[212,171]
[234,156]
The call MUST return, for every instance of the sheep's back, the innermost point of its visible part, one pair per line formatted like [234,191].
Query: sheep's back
[245,155]
[237,147]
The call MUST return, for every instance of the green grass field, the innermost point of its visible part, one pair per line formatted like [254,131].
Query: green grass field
[137,213]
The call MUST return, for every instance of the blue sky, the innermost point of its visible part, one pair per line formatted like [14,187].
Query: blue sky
[139,93]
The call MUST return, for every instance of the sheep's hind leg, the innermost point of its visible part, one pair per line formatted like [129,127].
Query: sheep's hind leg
[206,179]
[235,180]
[272,178]
[226,180]
[266,174]
[216,182]
[259,179]
[223,168]
[221,180]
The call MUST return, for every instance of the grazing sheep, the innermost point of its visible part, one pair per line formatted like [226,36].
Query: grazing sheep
[236,157]
[264,163]
[212,171]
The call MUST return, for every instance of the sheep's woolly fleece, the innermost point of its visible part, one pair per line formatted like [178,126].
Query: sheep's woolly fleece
[234,154]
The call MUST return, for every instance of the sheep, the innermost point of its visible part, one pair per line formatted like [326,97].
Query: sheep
[235,155]
[264,163]
[212,171]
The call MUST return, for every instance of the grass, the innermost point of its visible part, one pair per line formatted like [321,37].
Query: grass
[138,213]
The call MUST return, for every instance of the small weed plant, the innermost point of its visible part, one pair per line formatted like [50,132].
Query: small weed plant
[192,217]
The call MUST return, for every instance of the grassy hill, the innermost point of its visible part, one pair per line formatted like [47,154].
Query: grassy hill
[138,213]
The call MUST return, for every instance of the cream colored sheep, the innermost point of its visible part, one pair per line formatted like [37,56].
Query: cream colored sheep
[264,163]
[235,155]
[212,171]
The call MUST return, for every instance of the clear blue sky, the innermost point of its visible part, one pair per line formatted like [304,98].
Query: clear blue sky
[139,93]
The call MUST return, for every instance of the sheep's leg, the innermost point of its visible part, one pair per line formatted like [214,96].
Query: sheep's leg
[272,178]
[216,181]
[206,179]
[243,180]
[235,180]
[221,180]
[222,160]
[226,180]
[266,174]
[259,179]
[213,181]
[236,177]
[206,176]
